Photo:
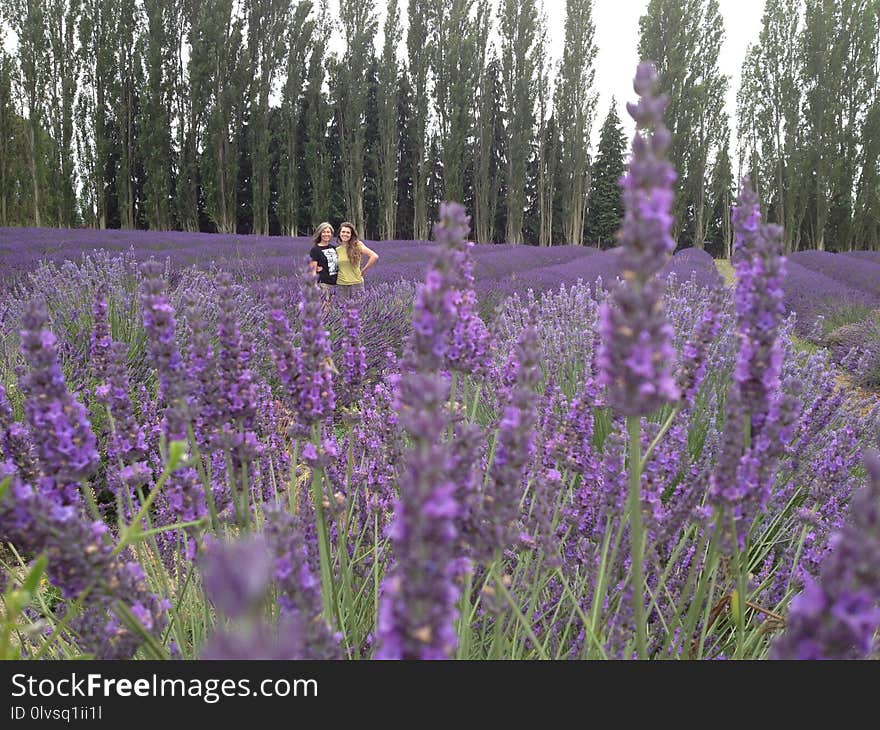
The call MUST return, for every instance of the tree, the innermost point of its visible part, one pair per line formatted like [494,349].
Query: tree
[371,153]
[866,223]
[299,36]
[605,211]
[419,63]
[8,123]
[548,146]
[218,82]
[94,142]
[519,30]
[189,115]
[709,123]
[268,22]
[721,195]
[28,21]
[575,110]
[155,144]
[62,19]
[316,112]
[488,168]
[855,54]
[768,114]
[407,164]
[124,92]
[683,38]
[359,25]
[389,132]
[454,58]
[839,76]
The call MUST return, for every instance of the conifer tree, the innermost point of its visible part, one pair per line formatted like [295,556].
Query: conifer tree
[605,210]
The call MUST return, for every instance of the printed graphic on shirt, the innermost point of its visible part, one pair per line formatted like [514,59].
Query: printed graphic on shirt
[332,261]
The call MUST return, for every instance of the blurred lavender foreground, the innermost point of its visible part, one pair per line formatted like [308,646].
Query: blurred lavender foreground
[495,452]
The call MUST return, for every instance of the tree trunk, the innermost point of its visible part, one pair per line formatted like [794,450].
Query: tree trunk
[33,169]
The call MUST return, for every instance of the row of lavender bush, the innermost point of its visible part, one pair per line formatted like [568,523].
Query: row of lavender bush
[647,468]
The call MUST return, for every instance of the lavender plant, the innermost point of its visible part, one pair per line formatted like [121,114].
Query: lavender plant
[572,454]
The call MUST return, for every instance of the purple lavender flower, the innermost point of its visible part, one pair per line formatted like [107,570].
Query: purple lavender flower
[838,613]
[159,322]
[259,640]
[81,562]
[515,444]
[760,413]
[417,598]
[636,350]
[293,542]
[15,441]
[236,575]
[237,390]
[694,354]
[760,272]
[66,448]
[306,372]
[354,357]
[100,342]
[436,315]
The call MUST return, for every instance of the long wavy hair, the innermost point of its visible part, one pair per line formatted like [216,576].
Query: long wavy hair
[316,239]
[353,247]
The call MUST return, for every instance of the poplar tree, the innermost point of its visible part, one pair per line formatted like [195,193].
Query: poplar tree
[28,20]
[316,112]
[359,26]
[575,111]
[124,93]
[156,113]
[7,134]
[454,59]
[854,53]
[518,21]
[406,161]
[866,224]
[683,38]
[267,24]
[419,62]
[487,168]
[189,116]
[299,35]
[62,19]
[94,140]
[548,147]
[389,131]
[218,80]
[768,115]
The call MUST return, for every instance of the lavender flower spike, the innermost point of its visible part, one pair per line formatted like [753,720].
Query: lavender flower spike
[66,447]
[636,353]
[837,615]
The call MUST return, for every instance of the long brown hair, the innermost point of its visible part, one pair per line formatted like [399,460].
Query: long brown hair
[353,247]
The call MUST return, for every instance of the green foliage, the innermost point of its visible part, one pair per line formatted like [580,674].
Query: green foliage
[519,46]
[683,38]
[605,201]
[576,106]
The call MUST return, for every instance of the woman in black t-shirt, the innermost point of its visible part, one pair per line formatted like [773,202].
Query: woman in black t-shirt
[324,261]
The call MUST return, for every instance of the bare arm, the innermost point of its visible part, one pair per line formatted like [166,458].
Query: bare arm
[372,258]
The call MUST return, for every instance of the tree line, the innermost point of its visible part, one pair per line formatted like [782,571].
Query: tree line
[269,116]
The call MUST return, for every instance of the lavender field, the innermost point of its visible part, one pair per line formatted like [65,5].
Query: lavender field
[495,452]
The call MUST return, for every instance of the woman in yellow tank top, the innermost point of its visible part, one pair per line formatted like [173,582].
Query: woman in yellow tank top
[354,260]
